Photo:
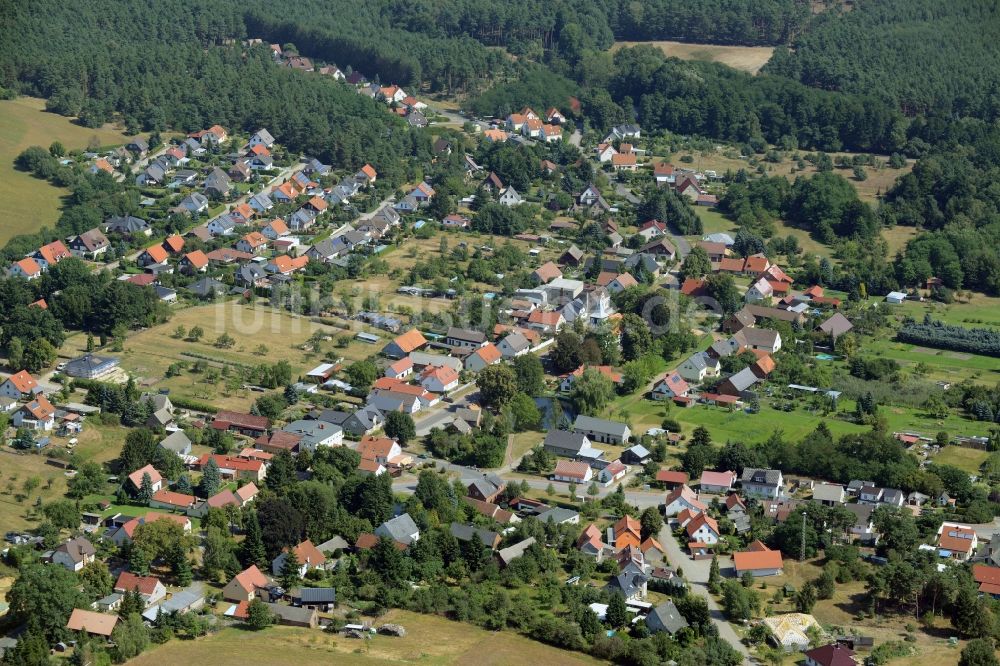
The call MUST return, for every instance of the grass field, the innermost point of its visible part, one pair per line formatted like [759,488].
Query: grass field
[942,364]
[975,311]
[15,469]
[30,203]
[965,459]
[149,353]
[429,640]
[744,58]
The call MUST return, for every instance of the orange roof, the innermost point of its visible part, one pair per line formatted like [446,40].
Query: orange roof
[571,469]
[103,164]
[251,578]
[548,271]
[369,465]
[278,226]
[40,407]
[259,150]
[412,339]
[369,171]
[495,135]
[136,476]
[958,540]
[157,253]
[757,263]
[217,130]
[702,519]
[56,251]
[517,118]
[128,581]
[283,263]
[604,278]
[170,497]
[91,622]
[544,318]
[671,476]
[307,553]
[319,203]
[765,364]
[444,374]
[198,259]
[299,263]
[489,353]
[650,542]
[627,523]
[245,210]
[174,243]
[255,239]
[375,447]
[288,189]
[40,303]
[23,381]
[29,266]
[232,462]
[692,286]
[757,559]
[623,159]
[731,264]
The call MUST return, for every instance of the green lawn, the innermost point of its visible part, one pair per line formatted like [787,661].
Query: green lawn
[943,364]
[965,459]
[979,312]
[30,203]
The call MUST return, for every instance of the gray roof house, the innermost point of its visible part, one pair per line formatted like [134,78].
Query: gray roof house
[128,226]
[218,183]
[602,430]
[829,494]
[207,287]
[177,442]
[314,596]
[90,366]
[514,345]
[665,617]
[401,529]
[766,483]
[363,421]
[464,532]
[738,384]
[571,445]
[194,203]
[511,553]
[631,582]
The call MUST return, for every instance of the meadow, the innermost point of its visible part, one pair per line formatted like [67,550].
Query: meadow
[30,203]
[429,640]
[744,58]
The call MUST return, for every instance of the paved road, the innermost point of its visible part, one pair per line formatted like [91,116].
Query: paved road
[696,572]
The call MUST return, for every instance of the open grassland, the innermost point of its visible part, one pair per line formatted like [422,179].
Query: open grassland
[429,640]
[15,504]
[974,311]
[722,424]
[744,58]
[261,334]
[967,460]
[30,203]
[941,364]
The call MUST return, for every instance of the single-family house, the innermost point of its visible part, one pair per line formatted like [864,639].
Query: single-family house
[716,483]
[306,554]
[957,541]
[765,483]
[665,617]
[572,471]
[74,554]
[698,367]
[681,499]
[571,445]
[671,386]
[400,529]
[150,588]
[94,624]
[246,585]
[758,560]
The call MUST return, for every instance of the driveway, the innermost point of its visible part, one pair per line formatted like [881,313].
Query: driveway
[696,572]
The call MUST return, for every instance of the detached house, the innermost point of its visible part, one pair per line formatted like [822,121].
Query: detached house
[307,555]
[75,554]
[26,268]
[766,483]
[19,386]
[246,585]
[698,367]
[89,245]
[670,387]
[602,430]
[957,541]
[38,414]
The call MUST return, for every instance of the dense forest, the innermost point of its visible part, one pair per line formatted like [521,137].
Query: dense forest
[923,55]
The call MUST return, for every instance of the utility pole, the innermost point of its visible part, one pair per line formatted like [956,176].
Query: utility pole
[802,545]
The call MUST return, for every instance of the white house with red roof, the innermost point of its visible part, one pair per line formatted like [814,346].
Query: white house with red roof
[671,386]
[400,369]
[135,478]
[483,357]
[957,541]
[26,268]
[150,588]
[439,379]
[37,414]
[572,471]
[716,482]
[682,498]
[703,529]
[19,386]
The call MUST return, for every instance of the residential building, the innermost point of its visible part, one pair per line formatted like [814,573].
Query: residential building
[572,471]
[758,560]
[19,386]
[89,622]
[698,367]
[74,554]
[716,483]
[703,529]
[765,483]
[136,477]
[246,585]
[665,617]
[957,541]
[571,445]
[150,588]
[602,430]
[400,529]
[306,554]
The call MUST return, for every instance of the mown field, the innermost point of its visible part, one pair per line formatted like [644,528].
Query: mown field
[744,58]
[261,334]
[16,504]
[429,640]
[29,203]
